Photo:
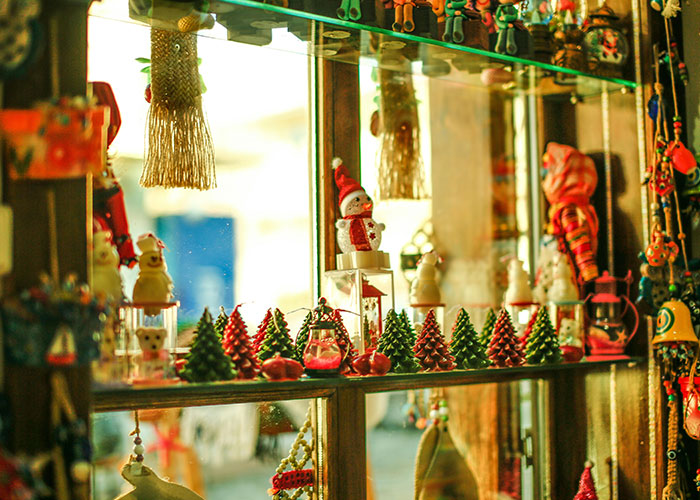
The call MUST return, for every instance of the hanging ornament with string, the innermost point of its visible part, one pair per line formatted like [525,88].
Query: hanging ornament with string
[441,471]
[297,478]
[180,148]
[401,173]
[147,485]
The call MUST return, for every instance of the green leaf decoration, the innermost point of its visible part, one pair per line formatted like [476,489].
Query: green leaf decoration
[143,60]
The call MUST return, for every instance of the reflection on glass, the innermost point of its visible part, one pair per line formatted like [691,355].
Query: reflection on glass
[219,452]
[472,442]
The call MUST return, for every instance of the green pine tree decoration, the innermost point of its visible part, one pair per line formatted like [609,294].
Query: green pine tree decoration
[393,343]
[465,345]
[543,344]
[487,330]
[408,329]
[221,322]
[206,361]
[277,339]
[303,336]
[262,328]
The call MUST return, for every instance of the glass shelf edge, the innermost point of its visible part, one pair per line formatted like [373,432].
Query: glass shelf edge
[430,41]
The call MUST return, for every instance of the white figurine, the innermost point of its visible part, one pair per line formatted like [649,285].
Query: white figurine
[425,289]
[518,291]
[357,231]
[154,358]
[153,284]
[563,288]
[106,278]
[148,486]
[545,266]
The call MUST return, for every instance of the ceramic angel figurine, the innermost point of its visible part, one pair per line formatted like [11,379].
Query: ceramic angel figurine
[153,284]
[357,231]
[106,279]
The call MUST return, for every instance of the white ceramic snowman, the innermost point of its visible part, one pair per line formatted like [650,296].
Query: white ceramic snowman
[106,279]
[153,284]
[518,291]
[425,289]
[563,288]
[357,231]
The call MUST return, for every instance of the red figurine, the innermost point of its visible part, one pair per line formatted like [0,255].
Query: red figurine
[586,486]
[569,184]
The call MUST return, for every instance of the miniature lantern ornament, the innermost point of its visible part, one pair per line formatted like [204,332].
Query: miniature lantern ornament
[606,45]
[322,355]
[372,308]
[357,231]
[608,335]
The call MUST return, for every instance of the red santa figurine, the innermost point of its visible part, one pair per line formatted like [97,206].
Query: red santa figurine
[357,231]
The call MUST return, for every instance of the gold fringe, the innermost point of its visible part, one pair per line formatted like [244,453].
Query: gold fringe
[400,173]
[672,490]
[180,147]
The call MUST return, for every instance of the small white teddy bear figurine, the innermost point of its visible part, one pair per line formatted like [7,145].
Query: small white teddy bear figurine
[518,291]
[425,289]
[563,288]
[357,231]
[153,284]
[154,358]
[106,279]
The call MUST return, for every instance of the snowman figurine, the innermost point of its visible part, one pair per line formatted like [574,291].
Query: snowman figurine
[153,284]
[357,231]
[563,288]
[518,291]
[106,279]
[425,288]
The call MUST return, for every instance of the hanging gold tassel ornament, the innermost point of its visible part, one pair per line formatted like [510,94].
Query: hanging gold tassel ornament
[400,164]
[180,147]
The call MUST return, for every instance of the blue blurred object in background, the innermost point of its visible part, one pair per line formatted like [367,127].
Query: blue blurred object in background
[200,257]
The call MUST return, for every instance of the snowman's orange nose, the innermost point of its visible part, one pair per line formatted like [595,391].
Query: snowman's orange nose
[367,206]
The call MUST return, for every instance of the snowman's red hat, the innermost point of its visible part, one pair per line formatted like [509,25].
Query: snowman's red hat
[347,186]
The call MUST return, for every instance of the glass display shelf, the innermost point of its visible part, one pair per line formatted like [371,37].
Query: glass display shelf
[117,398]
[253,22]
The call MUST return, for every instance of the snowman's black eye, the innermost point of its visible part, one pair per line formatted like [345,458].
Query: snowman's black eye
[357,199]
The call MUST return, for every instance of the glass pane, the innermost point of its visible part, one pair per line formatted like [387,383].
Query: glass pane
[220,452]
[249,241]
[465,456]
[253,22]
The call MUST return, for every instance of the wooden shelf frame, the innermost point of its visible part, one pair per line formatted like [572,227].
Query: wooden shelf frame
[107,399]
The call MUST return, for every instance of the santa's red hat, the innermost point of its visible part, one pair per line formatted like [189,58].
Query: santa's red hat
[347,186]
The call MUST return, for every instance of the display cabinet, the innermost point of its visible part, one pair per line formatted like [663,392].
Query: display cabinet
[485,120]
